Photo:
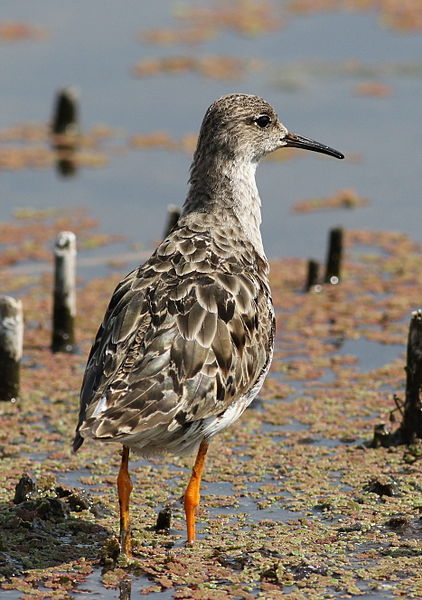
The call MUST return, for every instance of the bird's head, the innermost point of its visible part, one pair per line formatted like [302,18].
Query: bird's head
[246,126]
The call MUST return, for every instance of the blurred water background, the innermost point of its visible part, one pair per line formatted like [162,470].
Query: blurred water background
[303,72]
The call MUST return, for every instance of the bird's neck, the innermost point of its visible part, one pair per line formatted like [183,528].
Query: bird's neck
[227,188]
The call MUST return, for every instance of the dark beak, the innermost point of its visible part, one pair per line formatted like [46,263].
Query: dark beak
[297,141]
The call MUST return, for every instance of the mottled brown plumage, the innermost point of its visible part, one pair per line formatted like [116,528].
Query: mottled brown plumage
[188,337]
[185,336]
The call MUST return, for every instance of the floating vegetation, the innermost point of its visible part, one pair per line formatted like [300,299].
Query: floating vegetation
[40,132]
[201,23]
[164,141]
[249,18]
[25,132]
[287,76]
[30,238]
[17,31]
[221,67]
[404,16]
[375,89]
[32,146]
[169,37]
[15,158]
[296,76]
[27,212]
[347,198]
[246,17]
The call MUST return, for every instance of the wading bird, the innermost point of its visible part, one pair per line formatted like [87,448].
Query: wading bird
[188,337]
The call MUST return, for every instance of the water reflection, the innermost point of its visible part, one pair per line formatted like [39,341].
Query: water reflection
[125,589]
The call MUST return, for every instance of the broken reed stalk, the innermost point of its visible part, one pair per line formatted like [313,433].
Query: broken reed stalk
[411,425]
[312,275]
[334,256]
[173,214]
[64,301]
[11,344]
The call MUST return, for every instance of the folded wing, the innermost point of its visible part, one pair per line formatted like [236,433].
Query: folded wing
[182,339]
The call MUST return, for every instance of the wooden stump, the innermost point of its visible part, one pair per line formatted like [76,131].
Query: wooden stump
[411,426]
[312,274]
[334,256]
[11,344]
[64,301]
[65,131]
[65,119]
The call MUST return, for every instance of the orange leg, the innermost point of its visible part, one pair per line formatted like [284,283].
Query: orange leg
[191,499]
[124,487]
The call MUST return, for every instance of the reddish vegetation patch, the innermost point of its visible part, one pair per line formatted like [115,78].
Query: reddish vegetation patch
[188,36]
[163,140]
[212,66]
[16,31]
[398,14]
[375,89]
[201,23]
[242,16]
[31,146]
[341,199]
[31,237]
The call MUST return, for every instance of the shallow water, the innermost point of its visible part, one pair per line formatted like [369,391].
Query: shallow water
[371,355]
[131,194]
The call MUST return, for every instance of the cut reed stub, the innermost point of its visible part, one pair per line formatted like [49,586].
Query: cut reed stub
[411,426]
[312,275]
[163,520]
[334,256]
[64,301]
[11,345]
[65,119]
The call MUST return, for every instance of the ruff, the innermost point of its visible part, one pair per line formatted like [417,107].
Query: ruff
[188,337]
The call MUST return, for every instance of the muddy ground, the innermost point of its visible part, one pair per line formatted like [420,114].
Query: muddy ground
[295,501]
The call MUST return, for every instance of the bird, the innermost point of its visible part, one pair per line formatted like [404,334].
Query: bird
[188,336]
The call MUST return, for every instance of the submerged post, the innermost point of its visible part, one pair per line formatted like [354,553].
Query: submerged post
[11,343]
[334,256]
[64,301]
[173,214]
[65,130]
[411,426]
[66,113]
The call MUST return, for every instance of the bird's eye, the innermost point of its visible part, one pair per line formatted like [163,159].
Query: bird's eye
[263,121]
